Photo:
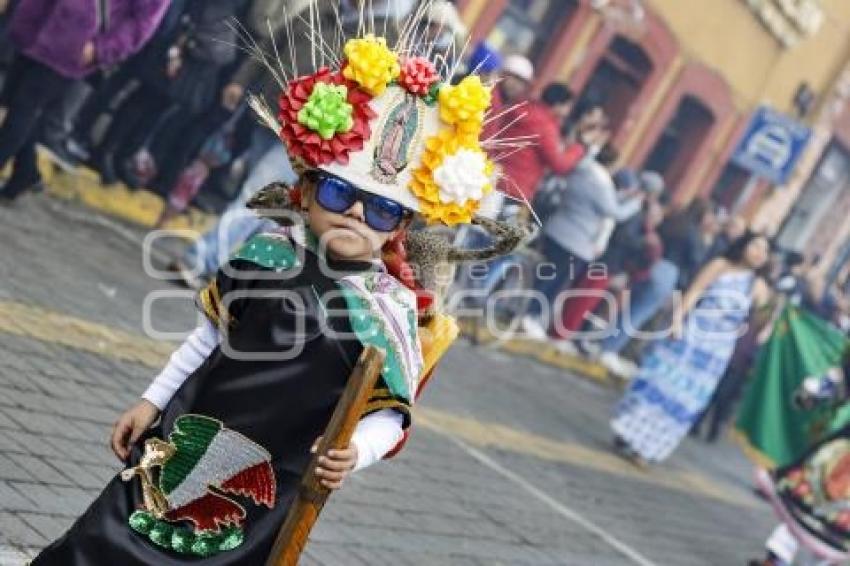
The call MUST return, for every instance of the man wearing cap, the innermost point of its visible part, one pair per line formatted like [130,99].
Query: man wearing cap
[626,241]
[537,120]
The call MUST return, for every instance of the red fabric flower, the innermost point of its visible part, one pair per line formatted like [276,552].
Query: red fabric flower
[417,75]
[307,145]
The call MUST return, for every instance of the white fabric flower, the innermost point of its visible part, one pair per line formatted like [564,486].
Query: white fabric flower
[462,176]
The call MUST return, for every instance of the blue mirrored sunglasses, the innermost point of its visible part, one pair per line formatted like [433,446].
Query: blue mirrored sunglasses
[337,195]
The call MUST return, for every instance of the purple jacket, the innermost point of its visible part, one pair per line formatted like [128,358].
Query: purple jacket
[54,32]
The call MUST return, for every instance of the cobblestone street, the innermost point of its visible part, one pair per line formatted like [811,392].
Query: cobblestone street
[509,462]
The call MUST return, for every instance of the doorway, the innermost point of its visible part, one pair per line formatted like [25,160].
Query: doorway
[616,82]
[680,141]
[824,203]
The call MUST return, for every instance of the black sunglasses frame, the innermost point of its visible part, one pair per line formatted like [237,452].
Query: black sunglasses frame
[360,195]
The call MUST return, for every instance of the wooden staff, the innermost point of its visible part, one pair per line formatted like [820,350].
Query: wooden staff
[305,509]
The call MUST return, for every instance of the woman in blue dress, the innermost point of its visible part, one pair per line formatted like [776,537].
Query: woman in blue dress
[679,374]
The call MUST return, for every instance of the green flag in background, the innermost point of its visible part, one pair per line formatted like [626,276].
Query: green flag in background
[773,430]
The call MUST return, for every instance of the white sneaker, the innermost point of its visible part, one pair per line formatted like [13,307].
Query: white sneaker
[618,366]
[532,328]
[566,347]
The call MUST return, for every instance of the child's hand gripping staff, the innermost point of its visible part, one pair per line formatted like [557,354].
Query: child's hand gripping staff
[312,494]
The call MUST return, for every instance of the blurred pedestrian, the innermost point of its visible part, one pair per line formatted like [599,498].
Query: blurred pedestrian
[164,122]
[731,228]
[645,299]
[810,494]
[116,86]
[524,168]
[6,48]
[629,241]
[679,374]
[266,23]
[511,89]
[59,119]
[58,43]
[216,151]
[570,236]
[633,259]
[688,235]
[721,408]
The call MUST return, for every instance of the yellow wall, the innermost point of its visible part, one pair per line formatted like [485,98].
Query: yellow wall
[818,59]
[472,11]
[725,35]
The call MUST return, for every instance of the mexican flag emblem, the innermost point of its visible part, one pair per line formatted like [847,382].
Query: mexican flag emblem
[189,507]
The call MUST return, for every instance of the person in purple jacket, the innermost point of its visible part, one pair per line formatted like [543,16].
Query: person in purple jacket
[59,42]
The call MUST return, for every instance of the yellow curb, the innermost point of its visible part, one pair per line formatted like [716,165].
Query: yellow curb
[576,364]
[542,352]
[140,207]
[56,328]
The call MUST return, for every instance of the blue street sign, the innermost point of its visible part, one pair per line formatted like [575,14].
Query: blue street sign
[771,145]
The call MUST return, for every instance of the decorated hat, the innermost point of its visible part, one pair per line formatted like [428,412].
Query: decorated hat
[389,122]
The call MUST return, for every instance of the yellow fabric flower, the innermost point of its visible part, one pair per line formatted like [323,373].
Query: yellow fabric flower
[371,64]
[464,104]
[433,206]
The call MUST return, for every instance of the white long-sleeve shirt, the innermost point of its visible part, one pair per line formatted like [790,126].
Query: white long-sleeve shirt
[375,435]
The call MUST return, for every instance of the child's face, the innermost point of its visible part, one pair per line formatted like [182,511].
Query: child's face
[345,235]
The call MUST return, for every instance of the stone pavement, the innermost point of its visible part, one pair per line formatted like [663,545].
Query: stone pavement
[509,462]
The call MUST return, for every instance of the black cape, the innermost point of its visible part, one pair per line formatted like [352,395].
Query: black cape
[282,406]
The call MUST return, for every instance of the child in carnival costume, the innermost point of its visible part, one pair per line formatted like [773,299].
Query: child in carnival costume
[378,140]
[811,496]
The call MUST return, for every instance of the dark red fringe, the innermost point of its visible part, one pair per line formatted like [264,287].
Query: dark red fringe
[256,482]
[208,513]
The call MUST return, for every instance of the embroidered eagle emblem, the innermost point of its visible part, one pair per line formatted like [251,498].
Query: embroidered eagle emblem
[201,467]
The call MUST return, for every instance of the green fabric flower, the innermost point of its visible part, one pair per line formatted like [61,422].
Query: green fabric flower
[327,111]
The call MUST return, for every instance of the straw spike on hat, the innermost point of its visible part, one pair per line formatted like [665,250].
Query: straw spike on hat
[386,118]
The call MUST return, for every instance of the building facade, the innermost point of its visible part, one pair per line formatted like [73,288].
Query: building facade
[681,79]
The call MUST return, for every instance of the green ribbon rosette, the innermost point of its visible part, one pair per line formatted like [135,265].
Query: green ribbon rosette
[327,111]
